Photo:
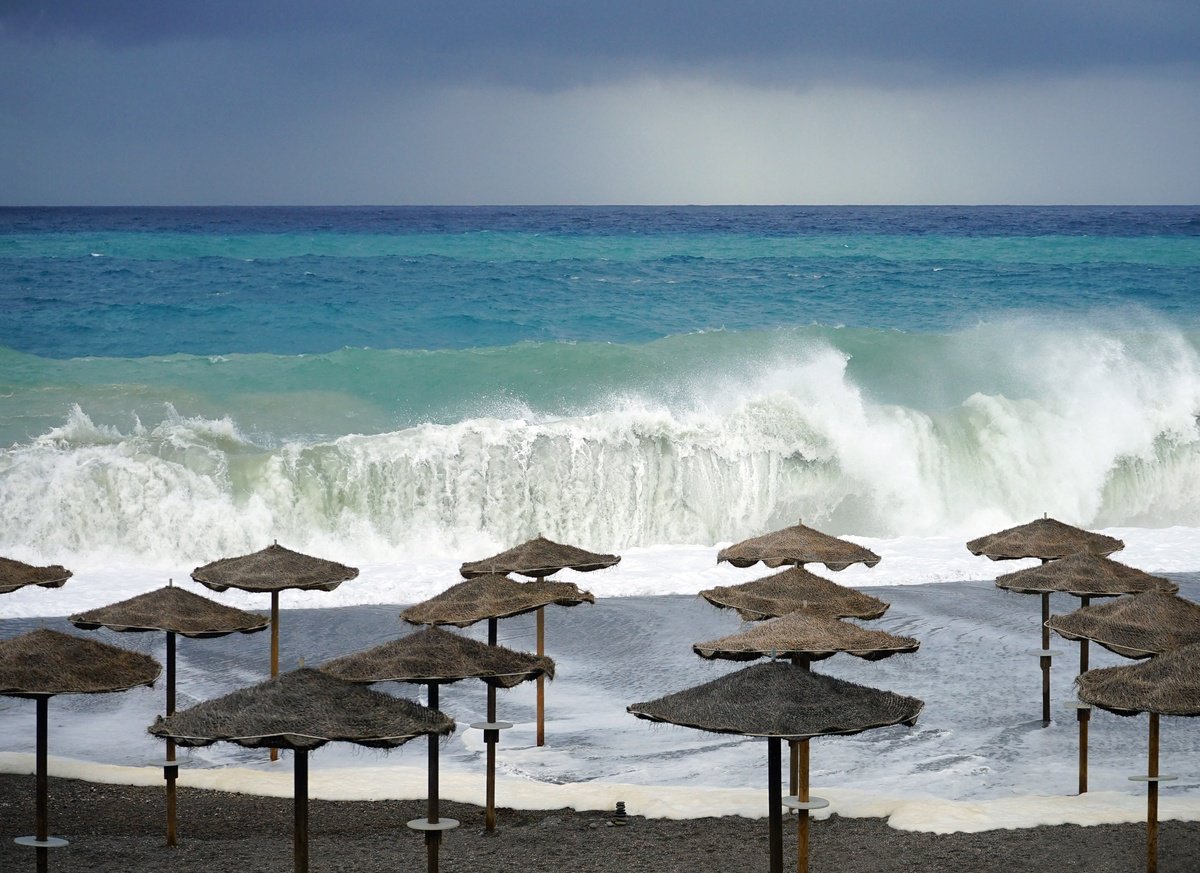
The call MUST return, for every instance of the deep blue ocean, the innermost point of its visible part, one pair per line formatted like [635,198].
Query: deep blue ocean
[190,381]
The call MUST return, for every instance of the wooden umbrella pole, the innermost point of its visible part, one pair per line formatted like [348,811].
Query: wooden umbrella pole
[802,817]
[433,838]
[1045,659]
[1084,714]
[1152,799]
[795,777]
[42,820]
[541,680]
[274,650]
[171,772]
[300,805]
[490,737]
[775,804]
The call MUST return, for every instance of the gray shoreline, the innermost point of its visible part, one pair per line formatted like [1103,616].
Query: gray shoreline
[120,828]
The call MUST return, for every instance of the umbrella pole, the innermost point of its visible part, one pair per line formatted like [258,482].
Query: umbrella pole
[775,804]
[1045,659]
[41,822]
[541,680]
[171,772]
[802,817]
[300,806]
[1152,799]
[274,650]
[433,838]
[490,737]
[1084,713]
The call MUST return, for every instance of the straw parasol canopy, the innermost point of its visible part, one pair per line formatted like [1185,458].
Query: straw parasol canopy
[434,655]
[43,663]
[492,596]
[538,558]
[173,610]
[793,589]
[1044,538]
[1084,574]
[1134,627]
[302,710]
[273,569]
[1168,684]
[807,635]
[778,702]
[775,700]
[1047,539]
[797,545]
[17,574]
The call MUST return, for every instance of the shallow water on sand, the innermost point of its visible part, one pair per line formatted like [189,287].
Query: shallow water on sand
[979,737]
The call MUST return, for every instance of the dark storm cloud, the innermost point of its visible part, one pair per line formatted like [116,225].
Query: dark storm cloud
[544,44]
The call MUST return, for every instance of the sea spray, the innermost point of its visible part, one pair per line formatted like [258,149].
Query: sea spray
[1094,427]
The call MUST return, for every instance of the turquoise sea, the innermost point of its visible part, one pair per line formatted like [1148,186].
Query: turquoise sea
[191,382]
[405,389]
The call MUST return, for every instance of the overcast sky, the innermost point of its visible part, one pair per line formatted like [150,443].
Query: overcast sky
[607,101]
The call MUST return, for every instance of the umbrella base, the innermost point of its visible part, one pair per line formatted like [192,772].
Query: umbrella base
[48,843]
[1044,653]
[1152,778]
[812,803]
[442,824]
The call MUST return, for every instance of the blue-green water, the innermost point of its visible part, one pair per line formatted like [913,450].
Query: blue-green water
[192,381]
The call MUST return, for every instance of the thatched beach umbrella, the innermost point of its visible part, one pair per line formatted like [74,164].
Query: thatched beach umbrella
[433,657]
[1134,627]
[1083,575]
[302,710]
[492,597]
[273,569]
[1168,684]
[804,637]
[172,611]
[779,702]
[796,588]
[1046,539]
[17,574]
[797,545]
[43,663]
[538,558]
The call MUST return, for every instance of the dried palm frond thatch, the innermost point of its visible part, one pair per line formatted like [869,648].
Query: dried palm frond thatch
[436,655]
[173,610]
[1084,575]
[45,662]
[538,558]
[797,545]
[1166,685]
[1135,627]
[777,700]
[492,596]
[806,635]
[1044,538]
[781,593]
[17,574]
[273,569]
[303,709]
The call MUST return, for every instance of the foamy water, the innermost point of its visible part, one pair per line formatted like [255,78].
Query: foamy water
[978,757]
